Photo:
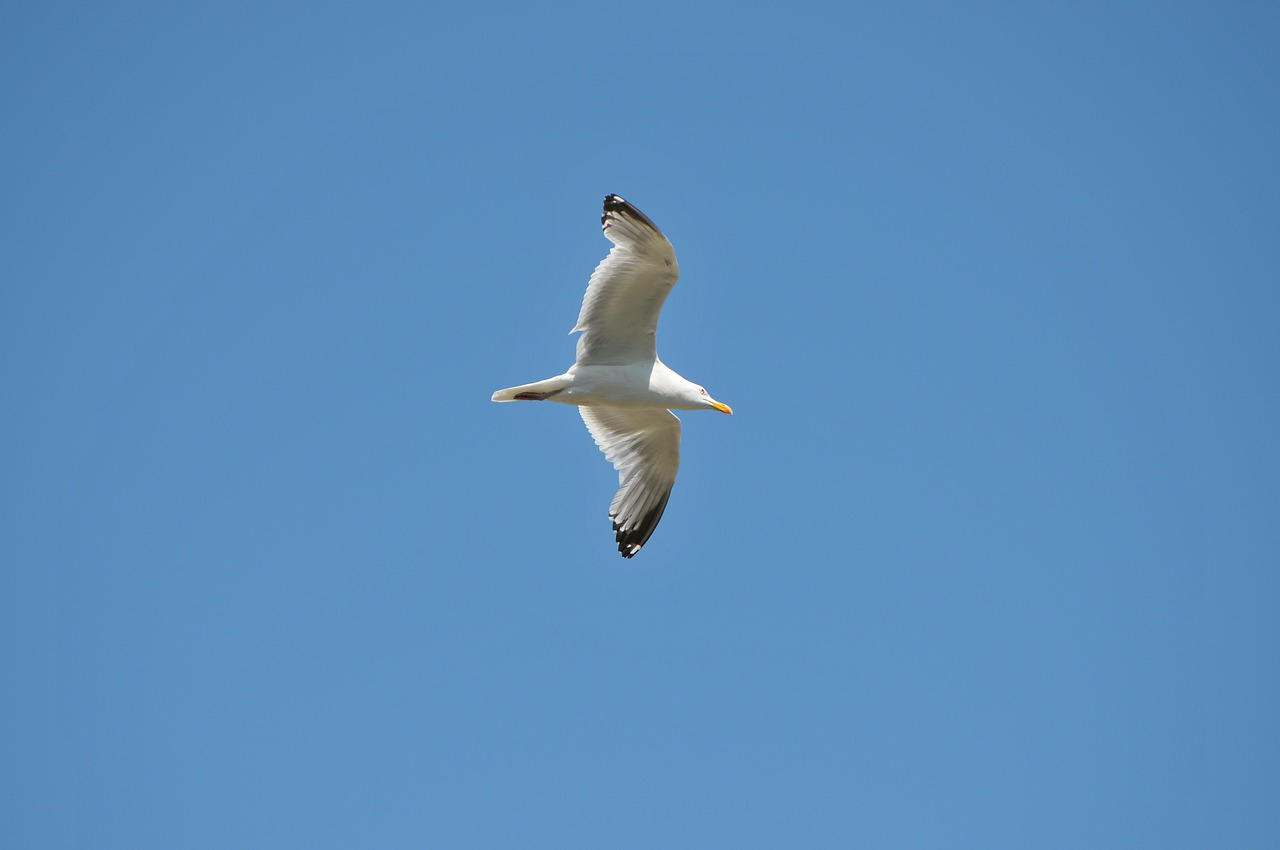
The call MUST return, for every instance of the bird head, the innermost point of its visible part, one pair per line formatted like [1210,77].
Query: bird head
[705,400]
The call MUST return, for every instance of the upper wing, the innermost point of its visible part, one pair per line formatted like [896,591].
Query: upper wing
[620,310]
[643,444]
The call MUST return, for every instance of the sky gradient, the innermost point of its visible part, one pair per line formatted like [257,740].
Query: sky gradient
[986,557]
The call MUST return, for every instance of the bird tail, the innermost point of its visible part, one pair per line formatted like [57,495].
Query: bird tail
[537,391]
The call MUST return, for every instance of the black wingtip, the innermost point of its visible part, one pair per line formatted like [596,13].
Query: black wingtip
[630,542]
[613,204]
[616,206]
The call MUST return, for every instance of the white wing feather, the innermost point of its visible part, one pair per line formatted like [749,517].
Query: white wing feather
[643,444]
[620,310]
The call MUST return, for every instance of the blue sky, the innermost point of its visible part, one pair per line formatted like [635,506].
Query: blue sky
[986,557]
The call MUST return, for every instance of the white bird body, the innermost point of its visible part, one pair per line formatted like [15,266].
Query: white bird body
[623,391]
[652,384]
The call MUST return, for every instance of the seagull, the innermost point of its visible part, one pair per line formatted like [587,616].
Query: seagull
[623,391]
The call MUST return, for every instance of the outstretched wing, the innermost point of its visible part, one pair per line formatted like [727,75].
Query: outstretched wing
[643,444]
[619,316]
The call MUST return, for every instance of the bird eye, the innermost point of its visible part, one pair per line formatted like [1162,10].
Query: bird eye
[702,390]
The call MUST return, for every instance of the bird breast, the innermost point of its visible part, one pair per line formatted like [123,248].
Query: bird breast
[631,385]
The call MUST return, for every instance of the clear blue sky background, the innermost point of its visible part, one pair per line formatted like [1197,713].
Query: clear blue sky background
[987,557]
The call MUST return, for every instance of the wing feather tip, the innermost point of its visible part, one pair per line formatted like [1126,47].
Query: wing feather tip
[616,206]
[632,540]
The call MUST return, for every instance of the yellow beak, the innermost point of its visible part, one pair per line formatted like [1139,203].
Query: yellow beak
[722,407]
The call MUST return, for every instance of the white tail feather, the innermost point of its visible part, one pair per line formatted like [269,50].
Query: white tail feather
[550,385]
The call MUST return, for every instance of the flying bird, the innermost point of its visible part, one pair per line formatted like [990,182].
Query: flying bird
[623,391]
